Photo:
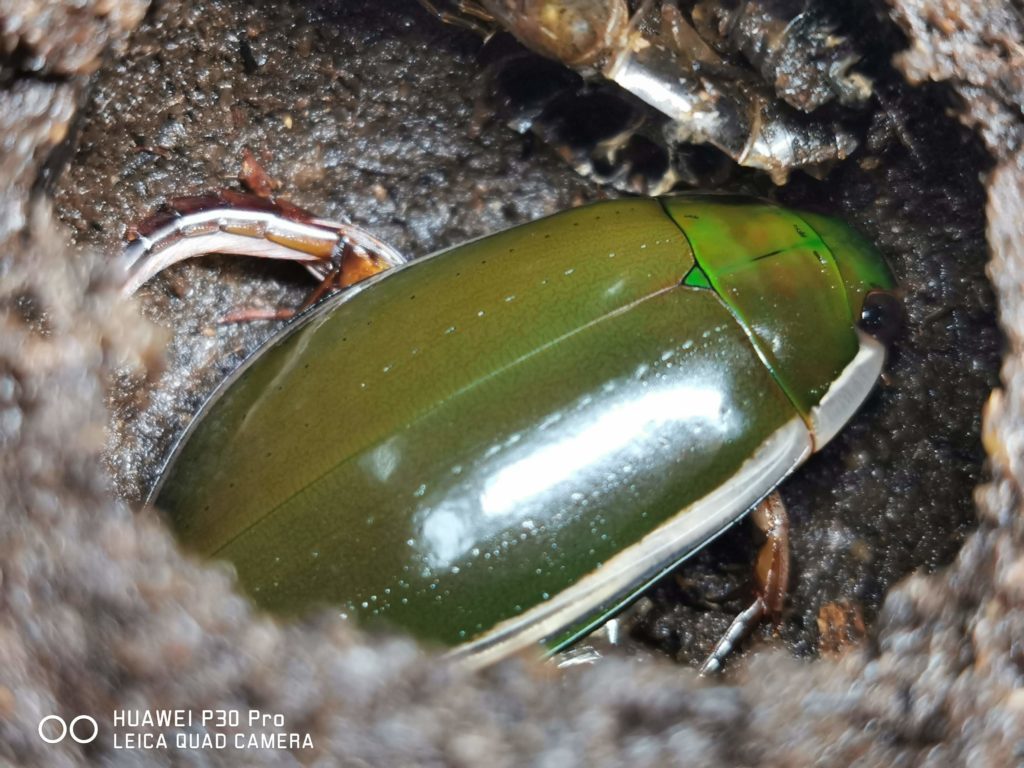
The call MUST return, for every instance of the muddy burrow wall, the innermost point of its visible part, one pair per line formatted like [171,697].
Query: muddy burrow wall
[363,110]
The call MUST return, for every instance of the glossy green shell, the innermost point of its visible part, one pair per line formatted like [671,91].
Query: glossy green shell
[463,440]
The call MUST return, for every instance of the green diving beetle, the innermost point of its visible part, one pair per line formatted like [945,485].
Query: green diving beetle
[501,444]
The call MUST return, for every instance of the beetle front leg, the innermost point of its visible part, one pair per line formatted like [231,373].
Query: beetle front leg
[772,575]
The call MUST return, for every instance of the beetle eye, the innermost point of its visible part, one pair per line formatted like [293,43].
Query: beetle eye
[881,315]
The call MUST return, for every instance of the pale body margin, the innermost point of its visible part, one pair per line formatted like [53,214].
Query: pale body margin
[691,528]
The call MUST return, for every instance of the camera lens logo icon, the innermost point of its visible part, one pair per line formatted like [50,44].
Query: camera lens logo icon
[82,729]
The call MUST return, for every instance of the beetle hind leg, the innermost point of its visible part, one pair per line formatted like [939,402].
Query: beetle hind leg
[338,254]
[772,576]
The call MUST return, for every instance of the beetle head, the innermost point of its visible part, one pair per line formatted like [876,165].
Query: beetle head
[881,315]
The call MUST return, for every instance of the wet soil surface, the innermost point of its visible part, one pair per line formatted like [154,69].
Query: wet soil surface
[370,112]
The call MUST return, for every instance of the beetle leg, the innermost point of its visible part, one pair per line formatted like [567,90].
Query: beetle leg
[254,314]
[327,285]
[772,575]
[351,266]
[330,283]
[245,225]
[772,570]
